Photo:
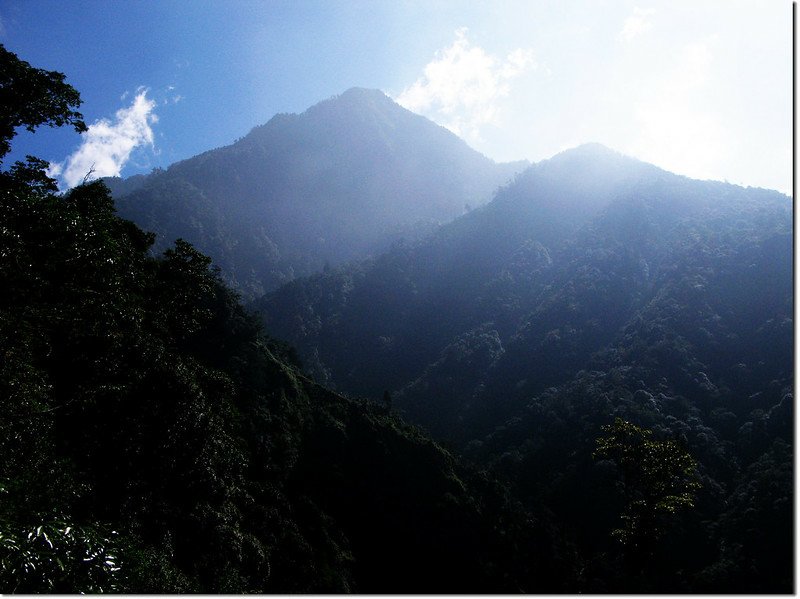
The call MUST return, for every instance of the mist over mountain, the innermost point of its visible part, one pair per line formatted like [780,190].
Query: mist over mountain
[156,440]
[343,180]
[436,288]
[559,266]
[593,286]
[584,385]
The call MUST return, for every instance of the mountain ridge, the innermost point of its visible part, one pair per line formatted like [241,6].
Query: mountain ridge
[604,353]
[342,180]
[594,290]
[534,227]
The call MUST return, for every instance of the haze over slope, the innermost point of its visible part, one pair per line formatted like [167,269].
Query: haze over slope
[558,267]
[573,249]
[341,181]
[594,286]
[600,359]
[434,288]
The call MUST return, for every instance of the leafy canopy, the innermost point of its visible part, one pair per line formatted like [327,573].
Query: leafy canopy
[31,97]
[659,479]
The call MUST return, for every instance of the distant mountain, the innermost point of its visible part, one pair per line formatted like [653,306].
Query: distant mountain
[341,181]
[407,305]
[594,286]
[554,269]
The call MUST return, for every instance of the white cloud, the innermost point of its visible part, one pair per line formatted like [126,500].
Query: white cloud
[462,86]
[106,147]
[636,24]
[54,170]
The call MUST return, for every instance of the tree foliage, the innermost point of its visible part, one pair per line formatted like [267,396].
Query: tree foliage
[658,477]
[592,287]
[156,440]
[31,97]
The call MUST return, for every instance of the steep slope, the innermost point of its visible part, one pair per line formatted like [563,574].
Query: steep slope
[407,305]
[155,441]
[592,287]
[556,265]
[341,181]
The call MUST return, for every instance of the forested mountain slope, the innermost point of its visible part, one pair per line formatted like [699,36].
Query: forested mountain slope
[560,265]
[604,353]
[340,181]
[592,287]
[155,440]
[152,434]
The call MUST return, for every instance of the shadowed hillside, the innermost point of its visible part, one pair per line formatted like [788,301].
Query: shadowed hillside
[592,287]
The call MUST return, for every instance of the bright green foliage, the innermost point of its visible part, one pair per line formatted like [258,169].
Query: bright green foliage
[57,557]
[659,479]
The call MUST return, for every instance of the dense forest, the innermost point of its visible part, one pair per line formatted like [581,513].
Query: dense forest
[584,385]
[154,439]
[591,288]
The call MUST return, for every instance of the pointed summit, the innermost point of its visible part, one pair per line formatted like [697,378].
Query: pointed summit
[358,98]
[592,152]
[340,181]
[362,94]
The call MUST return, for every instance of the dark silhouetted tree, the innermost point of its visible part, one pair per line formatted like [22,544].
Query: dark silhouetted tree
[31,97]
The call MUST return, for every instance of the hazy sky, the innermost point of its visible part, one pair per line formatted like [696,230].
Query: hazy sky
[701,88]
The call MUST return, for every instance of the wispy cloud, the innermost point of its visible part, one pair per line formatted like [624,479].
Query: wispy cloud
[462,86]
[172,98]
[636,24]
[106,147]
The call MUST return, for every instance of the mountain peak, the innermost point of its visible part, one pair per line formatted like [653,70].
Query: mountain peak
[355,98]
[590,149]
[362,93]
[340,181]
[595,159]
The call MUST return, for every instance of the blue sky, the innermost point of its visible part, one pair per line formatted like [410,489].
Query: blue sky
[701,87]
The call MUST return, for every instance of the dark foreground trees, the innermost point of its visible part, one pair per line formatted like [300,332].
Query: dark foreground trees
[31,97]
[153,439]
